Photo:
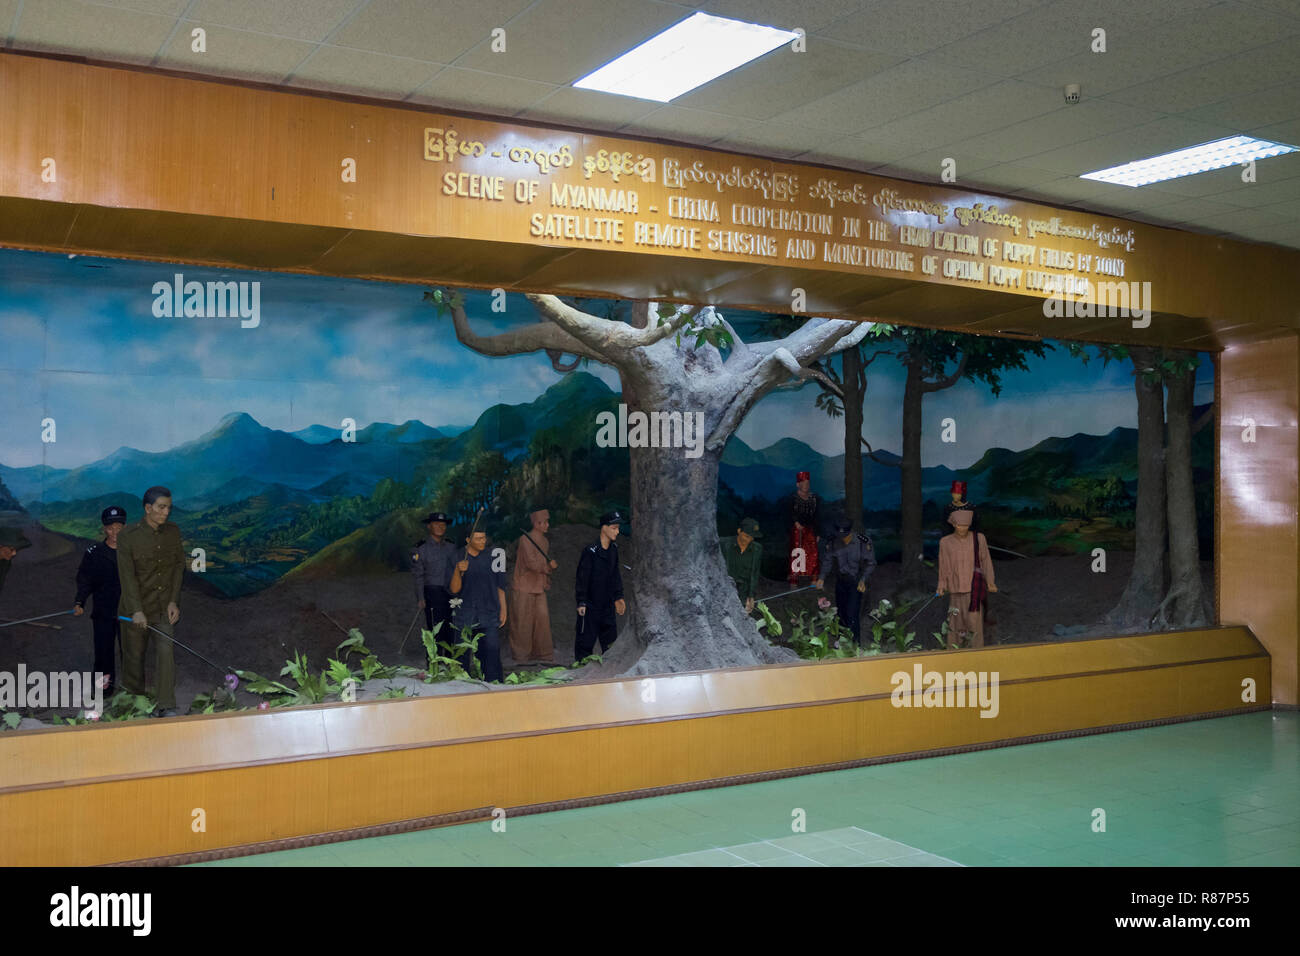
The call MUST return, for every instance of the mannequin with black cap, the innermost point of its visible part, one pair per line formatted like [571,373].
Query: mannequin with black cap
[431,562]
[97,576]
[599,591]
[848,560]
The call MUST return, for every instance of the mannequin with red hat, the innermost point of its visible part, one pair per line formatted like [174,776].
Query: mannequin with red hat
[958,502]
[966,576]
[804,507]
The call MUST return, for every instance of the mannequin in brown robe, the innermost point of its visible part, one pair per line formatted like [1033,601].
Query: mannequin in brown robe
[530,629]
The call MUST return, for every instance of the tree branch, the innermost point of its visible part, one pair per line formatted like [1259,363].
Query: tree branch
[559,366]
[598,335]
[604,335]
[871,453]
[950,380]
[878,353]
[817,338]
[538,337]
[773,361]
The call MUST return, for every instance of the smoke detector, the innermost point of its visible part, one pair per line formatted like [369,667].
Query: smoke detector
[1072,93]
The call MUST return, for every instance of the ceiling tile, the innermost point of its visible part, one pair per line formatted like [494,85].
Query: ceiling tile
[1042,35]
[1237,220]
[1227,28]
[1198,87]
[1068,189]
[913,27]
[69,26]
[967,116]
[296,19]
[1100,74]
[809,15]
[1186,210]
[1263,193]
[559,41]
[770,139]
[1061,127]
[8,11]
[437,31]
[842,154]
[1289,209]
[783,80]
[890,94]
[472,91]
[253,56]
[691,126]
[162,8]
[1125,146]
[1287,132]
[1287,8]
[1009,176]
[1249,111]
[927,166]
[575,107]
[359,71]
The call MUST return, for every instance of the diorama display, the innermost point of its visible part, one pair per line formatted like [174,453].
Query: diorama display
[530,483]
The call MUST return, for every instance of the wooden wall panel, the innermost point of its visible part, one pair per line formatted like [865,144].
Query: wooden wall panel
[602,739]
[1258,546]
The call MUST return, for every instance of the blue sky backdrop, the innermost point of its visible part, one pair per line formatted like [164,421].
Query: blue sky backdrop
[81,345]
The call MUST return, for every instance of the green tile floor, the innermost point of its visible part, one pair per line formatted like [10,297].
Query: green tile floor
[1209,792]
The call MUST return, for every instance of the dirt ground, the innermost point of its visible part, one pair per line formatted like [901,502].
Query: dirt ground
[261,632]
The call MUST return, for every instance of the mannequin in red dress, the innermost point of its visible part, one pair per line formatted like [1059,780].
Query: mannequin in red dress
[804,507]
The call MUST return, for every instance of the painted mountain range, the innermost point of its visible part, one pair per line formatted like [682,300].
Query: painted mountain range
[264,501]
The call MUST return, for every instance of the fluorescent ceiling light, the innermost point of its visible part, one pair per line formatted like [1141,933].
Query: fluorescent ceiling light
[1232,151]
[699,49]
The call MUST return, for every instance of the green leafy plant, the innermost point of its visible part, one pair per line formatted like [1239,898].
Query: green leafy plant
[371,666]
[220,699]
[311,688]
[444,301]
[821,635]
[445,657]
[551,675]
[941,635]
[391,692]
[127,706]
[466,649]
[589,659]
[10,719]
[887,627]
[769,623]
[70,721]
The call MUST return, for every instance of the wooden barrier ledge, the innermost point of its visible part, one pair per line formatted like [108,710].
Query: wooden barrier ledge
[130,791]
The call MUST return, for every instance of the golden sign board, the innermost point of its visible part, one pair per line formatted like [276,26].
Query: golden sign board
[489,181]
[84,135]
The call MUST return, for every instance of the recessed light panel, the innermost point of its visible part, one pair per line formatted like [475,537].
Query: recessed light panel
[1232,151]
[699,49]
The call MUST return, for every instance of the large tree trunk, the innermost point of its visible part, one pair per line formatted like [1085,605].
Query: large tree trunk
[1184,604]
[684,611]
[1146,583]
[853,435]
[685,614]
[910,533]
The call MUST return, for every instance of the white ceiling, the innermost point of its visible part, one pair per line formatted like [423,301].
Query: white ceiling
[889,86]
